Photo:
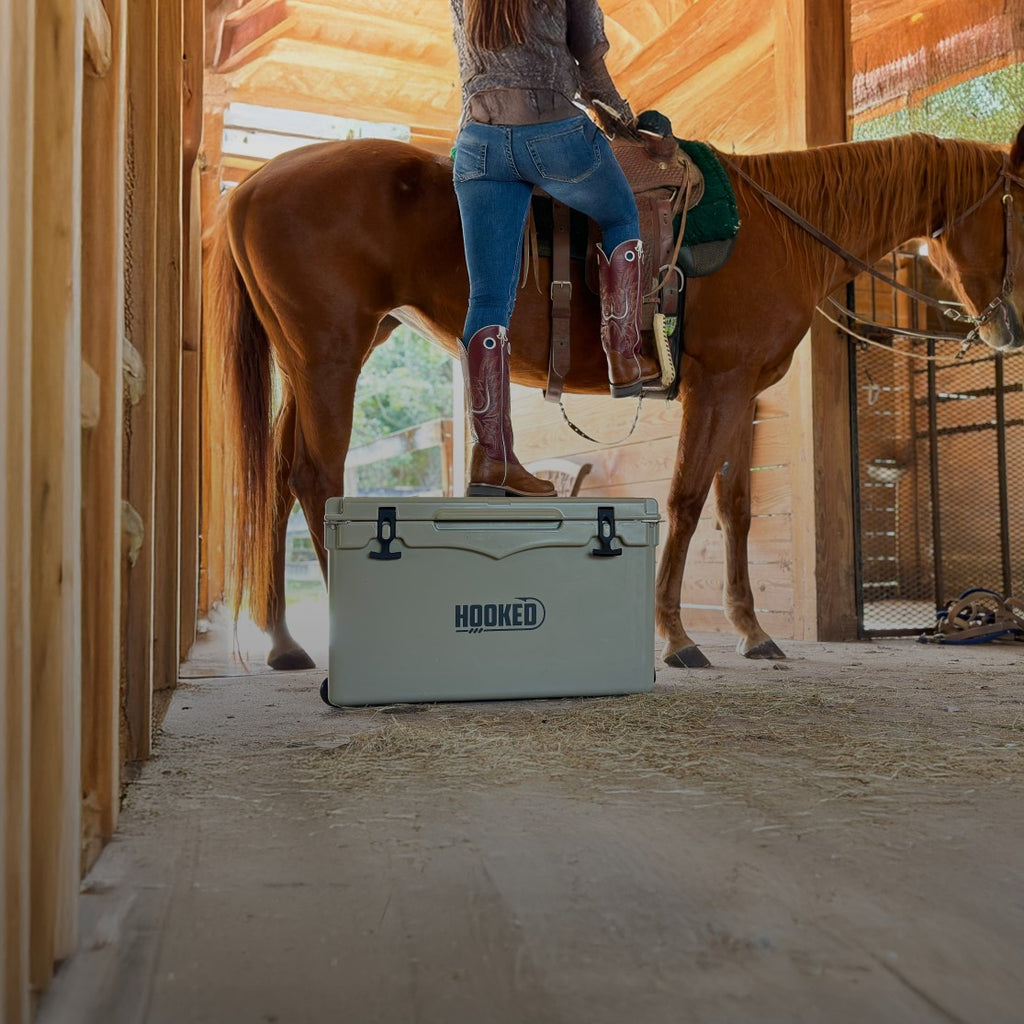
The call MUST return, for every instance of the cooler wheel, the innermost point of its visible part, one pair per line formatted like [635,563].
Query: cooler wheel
[323,693]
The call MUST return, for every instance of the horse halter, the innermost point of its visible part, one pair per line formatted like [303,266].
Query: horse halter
[1007,179]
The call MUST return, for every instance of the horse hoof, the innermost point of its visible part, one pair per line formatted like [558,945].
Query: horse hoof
[292,660]
[687,657]
[766,650]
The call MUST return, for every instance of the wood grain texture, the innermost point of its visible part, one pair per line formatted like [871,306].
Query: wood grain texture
[166,380]
[140,325]
[55,488]
[17,49]
[103,186]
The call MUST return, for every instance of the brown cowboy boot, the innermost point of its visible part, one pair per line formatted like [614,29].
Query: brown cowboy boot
[621,284]
[493,468]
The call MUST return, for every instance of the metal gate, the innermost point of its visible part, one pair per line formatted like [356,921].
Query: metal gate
[938,446]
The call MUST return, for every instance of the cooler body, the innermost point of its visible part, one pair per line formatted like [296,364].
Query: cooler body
[485,599]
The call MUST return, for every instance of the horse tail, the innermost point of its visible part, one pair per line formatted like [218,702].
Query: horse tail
[240,342]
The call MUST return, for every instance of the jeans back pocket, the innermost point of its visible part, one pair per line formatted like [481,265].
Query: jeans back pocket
[570,155]
[470,160]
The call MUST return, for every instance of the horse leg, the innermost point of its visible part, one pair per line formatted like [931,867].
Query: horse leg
[326,400]
[732,495]
[713,411]
[286,654]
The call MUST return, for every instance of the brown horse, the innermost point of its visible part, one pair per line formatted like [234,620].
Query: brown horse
[324,250]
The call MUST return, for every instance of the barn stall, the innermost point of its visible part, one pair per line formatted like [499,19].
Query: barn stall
[107,156]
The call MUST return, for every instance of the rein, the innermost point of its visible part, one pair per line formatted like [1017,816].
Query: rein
[1005,179]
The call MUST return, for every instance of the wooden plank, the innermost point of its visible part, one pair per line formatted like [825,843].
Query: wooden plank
[213,498]
[189,555]
[191,320]
[320,79]
[165,383]
[8,440]
[55,488]
[102,344]
[712,620]
[423,435]
[17,49]
[243,32]
[712,33]
[98,41]
[772,587]
[140,321]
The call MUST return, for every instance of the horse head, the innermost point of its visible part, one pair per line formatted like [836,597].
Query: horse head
[981,254]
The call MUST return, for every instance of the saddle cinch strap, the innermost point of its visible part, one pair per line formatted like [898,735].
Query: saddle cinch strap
[666,183]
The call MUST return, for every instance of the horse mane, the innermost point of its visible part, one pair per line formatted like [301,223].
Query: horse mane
[895,178]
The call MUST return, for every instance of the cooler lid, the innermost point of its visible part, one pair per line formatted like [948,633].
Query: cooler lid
[484,510]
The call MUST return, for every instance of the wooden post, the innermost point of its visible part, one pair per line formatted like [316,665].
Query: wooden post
[17,48]
[102,343]
[213,498]
[191,322]
[140,330]
[166,382]
[6,441]
[55,486]
[814,82]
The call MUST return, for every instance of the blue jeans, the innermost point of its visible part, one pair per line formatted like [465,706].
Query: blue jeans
[496,169]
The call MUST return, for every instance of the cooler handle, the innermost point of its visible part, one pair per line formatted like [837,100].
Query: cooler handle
[499,513]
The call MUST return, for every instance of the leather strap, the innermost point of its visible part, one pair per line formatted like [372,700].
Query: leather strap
[561,295]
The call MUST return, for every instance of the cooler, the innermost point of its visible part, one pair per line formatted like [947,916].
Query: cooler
[489,598]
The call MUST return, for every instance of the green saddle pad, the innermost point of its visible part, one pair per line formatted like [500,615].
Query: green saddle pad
[715,218]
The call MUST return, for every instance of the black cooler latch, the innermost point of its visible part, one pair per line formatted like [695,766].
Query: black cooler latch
[385,535]
[605,533]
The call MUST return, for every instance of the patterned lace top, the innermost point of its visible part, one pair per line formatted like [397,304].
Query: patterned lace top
[543,79]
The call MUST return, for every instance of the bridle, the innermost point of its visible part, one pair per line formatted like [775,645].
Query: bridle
[1006,179]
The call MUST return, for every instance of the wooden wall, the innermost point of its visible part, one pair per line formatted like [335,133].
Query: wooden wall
[801,536]
[91,360]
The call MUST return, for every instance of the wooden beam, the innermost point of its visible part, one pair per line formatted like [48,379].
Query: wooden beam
[140,320]
[213,500]
[55,487]
[419,44]
[97,36]
[713,32]
[103,187]
[191,320]
[166,380]
[813,89]
[321,79]
[244,33]
[17,115]
[413,439]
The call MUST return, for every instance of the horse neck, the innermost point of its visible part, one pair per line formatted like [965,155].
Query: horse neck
[870,197]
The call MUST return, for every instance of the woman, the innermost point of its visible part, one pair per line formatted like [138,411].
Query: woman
[527,68]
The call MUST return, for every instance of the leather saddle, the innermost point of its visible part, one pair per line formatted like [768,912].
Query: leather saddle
[666,184]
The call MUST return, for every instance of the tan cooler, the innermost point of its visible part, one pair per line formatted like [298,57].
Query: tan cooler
[489,598]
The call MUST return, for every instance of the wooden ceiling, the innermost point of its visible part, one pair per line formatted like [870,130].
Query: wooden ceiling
[393,60]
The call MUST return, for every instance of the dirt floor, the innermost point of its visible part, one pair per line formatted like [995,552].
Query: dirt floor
[837,837]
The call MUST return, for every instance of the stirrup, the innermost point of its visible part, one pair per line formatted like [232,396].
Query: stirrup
[664,328]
